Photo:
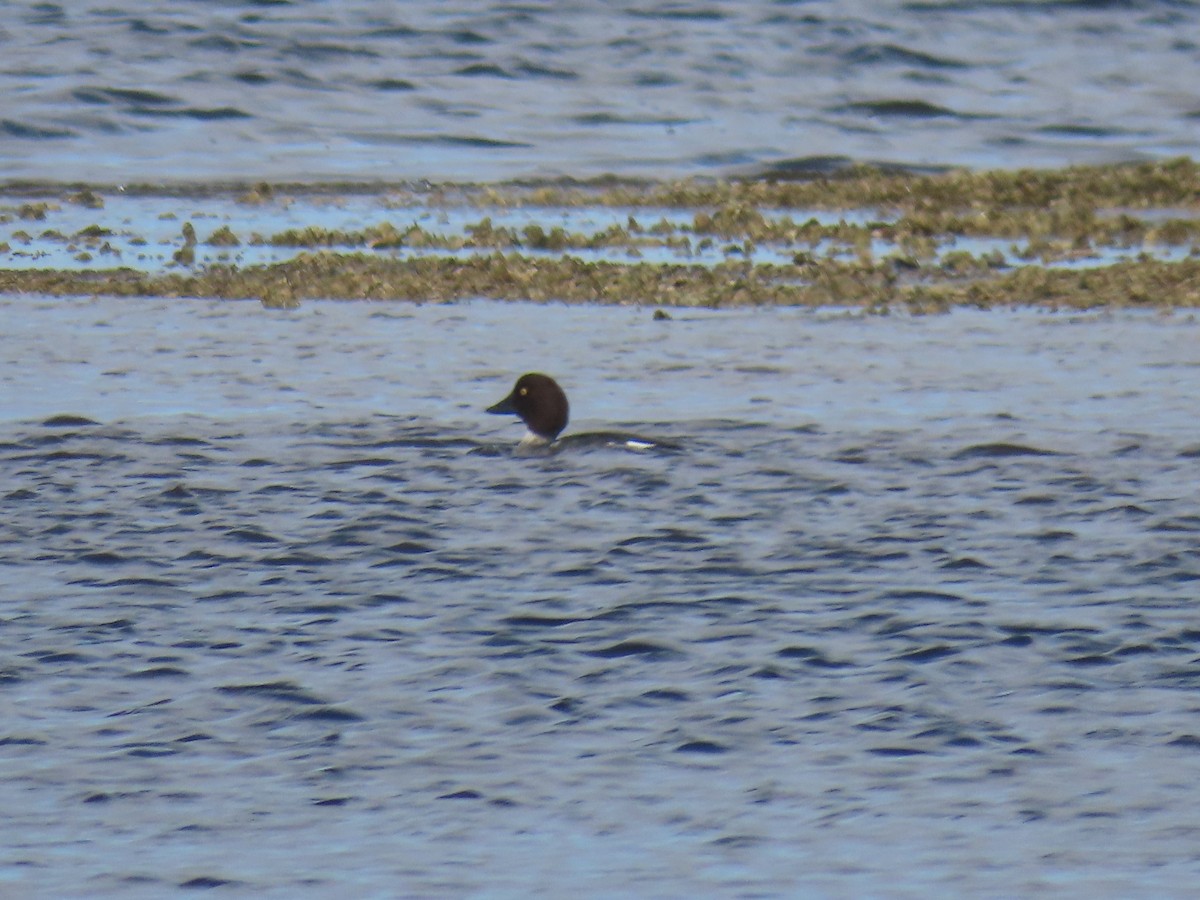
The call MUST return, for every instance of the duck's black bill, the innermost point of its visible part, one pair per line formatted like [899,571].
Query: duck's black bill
[504,406]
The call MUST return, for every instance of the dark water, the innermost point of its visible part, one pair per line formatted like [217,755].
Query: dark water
[914,613]
[151,91]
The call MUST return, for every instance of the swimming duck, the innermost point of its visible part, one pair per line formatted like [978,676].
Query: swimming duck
[542,405]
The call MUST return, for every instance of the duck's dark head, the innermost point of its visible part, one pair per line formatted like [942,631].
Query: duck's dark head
[540,403]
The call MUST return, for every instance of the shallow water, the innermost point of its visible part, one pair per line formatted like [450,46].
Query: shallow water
[144,232]
[913,613]
[146,91]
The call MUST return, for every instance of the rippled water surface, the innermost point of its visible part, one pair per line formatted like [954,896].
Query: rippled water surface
[151,91]
[913,612]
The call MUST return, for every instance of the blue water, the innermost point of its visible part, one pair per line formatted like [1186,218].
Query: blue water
[149,91]
[913,614]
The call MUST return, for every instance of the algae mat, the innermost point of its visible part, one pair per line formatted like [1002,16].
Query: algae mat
[1105,236]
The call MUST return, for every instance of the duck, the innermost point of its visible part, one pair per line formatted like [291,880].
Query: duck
[539,402]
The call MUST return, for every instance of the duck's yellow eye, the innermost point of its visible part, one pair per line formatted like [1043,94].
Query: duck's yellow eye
[524,391]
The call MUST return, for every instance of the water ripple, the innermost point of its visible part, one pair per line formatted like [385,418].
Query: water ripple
[863,614]
[290,91]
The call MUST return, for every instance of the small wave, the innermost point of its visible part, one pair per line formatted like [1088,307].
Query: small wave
[926,654]
[274,690]
[811,656]
[68,420]
[159,672]
[905,109]
[315,51]
[606,118]
[206,882]
[920,595]
[103,558]
[466,36]
[531,621]
[679,14]
[438,140]
[34,132]
[485,70]
[647,649]
[1001,450]
[191,112]
[125,96]
[535,71]
[252,536]
[711,747]
[806,167]
[329,714]
[391,84]
[1078,130]
[891,54]
[964,562]
[222,43]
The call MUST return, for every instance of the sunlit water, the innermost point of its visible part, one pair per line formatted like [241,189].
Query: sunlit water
[136,90]
[913,612]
